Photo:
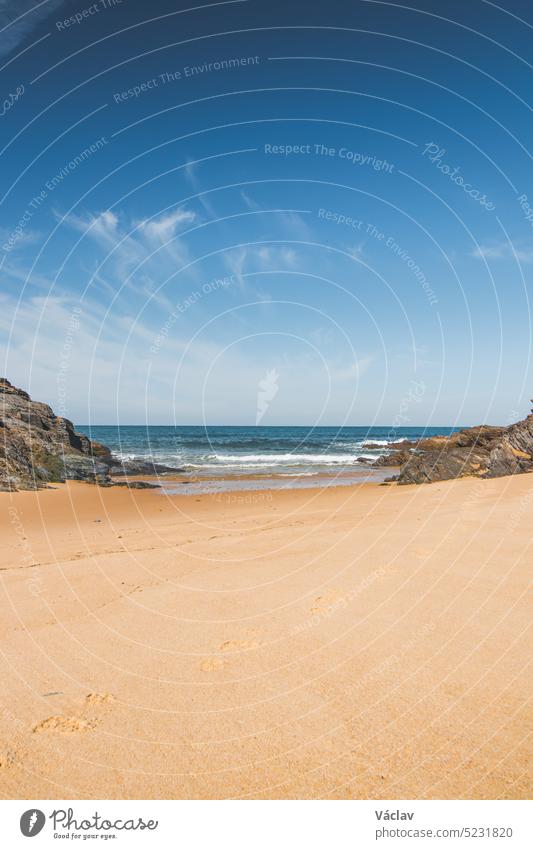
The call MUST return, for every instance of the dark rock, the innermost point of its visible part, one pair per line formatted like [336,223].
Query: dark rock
[139,467]
[80,468]
[427,466]
[401,443]
[101,452]
[481,451]
[395,458]
[514,454]
[137,484]
[37,447]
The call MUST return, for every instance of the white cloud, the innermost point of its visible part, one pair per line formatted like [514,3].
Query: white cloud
[163,228]
[246,260]
[191,176]
[107,221]
[503,250]
[109,372]
[190,172]
[102,227]
[21,240]
[132,247]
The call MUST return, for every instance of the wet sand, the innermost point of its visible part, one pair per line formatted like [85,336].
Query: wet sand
[357,642]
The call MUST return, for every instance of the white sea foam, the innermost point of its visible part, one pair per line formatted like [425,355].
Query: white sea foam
[194,461]
[384,442]
[282,459]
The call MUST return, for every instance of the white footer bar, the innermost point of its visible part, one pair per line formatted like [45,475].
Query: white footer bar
[268,825]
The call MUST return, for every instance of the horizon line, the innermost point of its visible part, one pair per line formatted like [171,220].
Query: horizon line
[310,427]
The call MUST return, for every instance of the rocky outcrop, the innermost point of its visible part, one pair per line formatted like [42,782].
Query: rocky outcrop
[37,447]
[483,452]
[514,453]
[119,468]
[395,458]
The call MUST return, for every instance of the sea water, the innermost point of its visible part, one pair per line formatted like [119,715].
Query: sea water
[225,455]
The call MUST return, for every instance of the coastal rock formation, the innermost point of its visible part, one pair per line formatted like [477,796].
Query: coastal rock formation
[124,468]
[463,453]
[514,453]
[37,447]
[482,451]
[396,458]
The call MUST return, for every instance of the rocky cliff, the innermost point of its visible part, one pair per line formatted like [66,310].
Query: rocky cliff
[37,447]
[483,451]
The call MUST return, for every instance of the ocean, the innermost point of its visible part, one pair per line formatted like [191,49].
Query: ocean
[223,455]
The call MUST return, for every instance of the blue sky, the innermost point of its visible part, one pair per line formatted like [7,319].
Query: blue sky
[338,195]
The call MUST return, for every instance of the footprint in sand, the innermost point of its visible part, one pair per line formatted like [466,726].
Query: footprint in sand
[65,725]
[236,645]
[8,758]
[78,723]
[99,699]
[326,601]
[211,664]
[132,588]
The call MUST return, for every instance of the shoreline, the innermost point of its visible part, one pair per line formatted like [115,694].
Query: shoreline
[170,484]
[350,642]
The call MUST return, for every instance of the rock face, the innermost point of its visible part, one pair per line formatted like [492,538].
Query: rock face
[37,447]
[396,458]
[483,451]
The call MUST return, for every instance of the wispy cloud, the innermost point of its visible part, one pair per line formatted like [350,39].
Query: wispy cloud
[163,228]
[503,250]
[249,259]
[18,19]
[24,238]
[102,227]
[210,377]
[250,202]
[191,176]
[130,245]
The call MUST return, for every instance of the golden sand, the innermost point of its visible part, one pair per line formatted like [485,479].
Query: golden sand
[356,642]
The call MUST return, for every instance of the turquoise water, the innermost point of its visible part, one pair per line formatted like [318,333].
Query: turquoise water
[287,452]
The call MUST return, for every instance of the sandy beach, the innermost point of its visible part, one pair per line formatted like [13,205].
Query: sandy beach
[359,642]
